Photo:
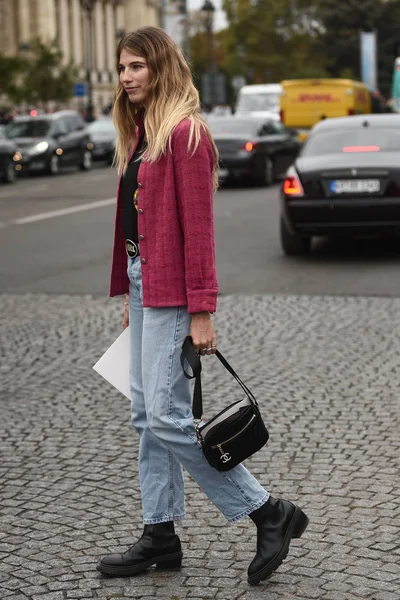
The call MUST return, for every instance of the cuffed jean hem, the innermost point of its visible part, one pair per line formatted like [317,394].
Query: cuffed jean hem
[249,510]
[165,519]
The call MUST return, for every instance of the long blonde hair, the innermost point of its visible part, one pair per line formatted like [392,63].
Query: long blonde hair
[172,97]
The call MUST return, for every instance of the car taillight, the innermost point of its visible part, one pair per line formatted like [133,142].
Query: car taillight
[350,112]
[249,146]
[361,148]
[292,186]
[282,115]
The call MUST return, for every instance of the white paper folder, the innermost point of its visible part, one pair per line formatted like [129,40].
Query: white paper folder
[114,364]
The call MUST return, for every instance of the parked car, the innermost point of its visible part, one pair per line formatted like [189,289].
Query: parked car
[258,150]
[48,142]
[345,181]
[9,159]
[103,135]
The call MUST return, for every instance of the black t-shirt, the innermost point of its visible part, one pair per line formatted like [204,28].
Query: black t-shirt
[129,190]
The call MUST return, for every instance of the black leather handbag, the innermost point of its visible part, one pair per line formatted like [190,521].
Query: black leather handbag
[236,432]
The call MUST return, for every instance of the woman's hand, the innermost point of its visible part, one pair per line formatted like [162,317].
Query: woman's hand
[125,320]
[203,333]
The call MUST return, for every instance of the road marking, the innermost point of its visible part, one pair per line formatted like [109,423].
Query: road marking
[59,213]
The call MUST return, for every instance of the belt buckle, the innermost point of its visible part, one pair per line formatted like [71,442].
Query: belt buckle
[131,248]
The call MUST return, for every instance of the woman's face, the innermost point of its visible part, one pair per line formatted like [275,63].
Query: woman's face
[134,76]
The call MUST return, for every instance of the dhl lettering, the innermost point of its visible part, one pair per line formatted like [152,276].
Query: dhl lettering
[316,98]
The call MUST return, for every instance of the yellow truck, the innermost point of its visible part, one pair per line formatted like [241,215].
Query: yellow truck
[304,102]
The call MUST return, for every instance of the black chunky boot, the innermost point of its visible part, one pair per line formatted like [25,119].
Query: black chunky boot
[277,521]
[159,546]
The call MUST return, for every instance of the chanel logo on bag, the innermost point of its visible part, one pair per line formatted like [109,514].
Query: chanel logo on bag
[226,457]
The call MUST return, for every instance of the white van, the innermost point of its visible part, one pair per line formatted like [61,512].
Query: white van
[259,100]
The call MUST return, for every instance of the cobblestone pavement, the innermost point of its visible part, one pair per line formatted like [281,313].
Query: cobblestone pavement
[326,371]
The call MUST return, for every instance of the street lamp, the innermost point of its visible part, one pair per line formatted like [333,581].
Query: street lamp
[208,9]
[88,6]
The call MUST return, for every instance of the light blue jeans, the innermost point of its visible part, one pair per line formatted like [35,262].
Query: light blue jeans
[162,416]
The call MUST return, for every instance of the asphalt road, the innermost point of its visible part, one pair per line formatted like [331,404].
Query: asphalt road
[56,237]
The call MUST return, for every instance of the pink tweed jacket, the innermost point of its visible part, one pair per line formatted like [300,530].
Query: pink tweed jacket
[175,227]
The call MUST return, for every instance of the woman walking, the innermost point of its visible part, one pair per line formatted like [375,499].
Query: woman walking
[164,261]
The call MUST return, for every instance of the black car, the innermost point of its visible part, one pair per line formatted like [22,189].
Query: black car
[48,142]
[103,135]
[345,181]
[255,149]
[9,159]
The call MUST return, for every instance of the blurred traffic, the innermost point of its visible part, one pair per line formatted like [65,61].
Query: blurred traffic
[321,138]
[258,138]
[45,143]
[9,158]
[345,181]
[259,100]
[257,150]
[103,136]
[48,142]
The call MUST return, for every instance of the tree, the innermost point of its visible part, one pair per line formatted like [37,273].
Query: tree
[271,41]
[388,43]
[265,41]
[37,76]
[11,69]
[343,20]
[47,79]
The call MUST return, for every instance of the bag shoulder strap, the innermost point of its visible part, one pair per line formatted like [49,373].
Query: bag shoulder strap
[192,358]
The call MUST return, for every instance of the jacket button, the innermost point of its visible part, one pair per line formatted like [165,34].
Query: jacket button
[140,185]
[141,237]
[143,261]
[141,211]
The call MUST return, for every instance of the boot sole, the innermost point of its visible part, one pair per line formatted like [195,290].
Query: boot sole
[167,562]
[297,527]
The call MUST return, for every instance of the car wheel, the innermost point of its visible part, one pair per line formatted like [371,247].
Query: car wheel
[10,175]
[267,173]
[54,165]
[293,243]
[86,163]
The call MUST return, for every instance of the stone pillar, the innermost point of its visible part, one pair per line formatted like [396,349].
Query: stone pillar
[120,17]
[24,22]
[46,26]
[76,33]
[100,42]
[110,38]
[134,16]
[63,28]
[8,35]
[140,13]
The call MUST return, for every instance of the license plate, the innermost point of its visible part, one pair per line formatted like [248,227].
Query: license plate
[355,186]
[223,173]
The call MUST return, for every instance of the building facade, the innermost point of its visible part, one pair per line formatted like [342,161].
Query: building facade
[67,21]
